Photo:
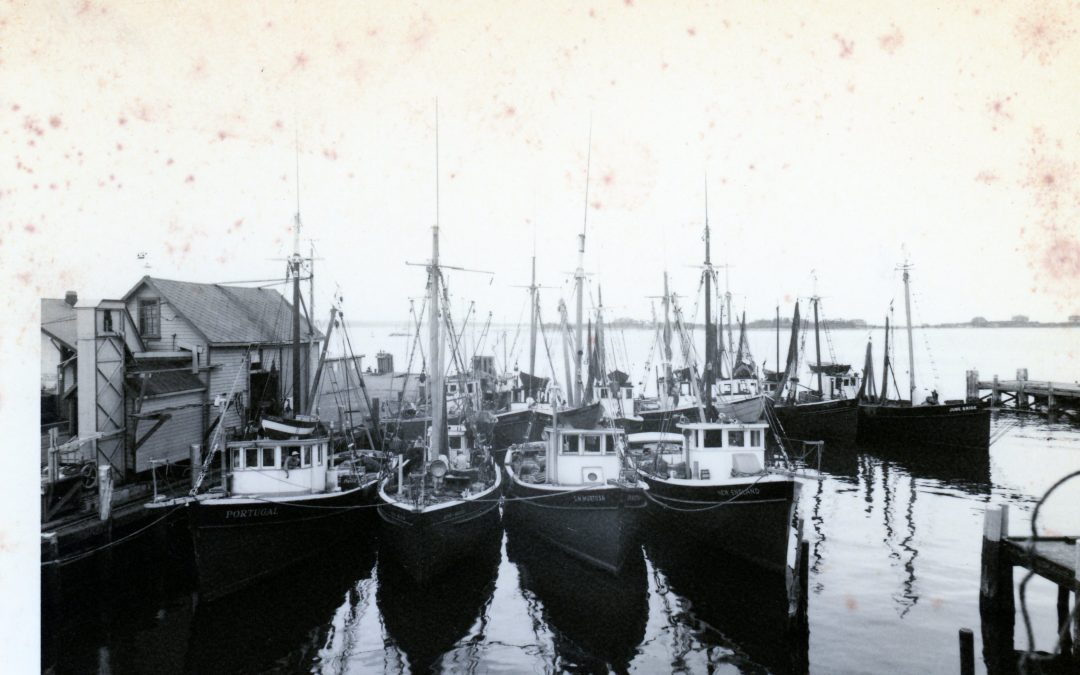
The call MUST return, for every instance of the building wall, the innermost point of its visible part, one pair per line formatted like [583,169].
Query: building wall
[229,375]
[175,331]
[172,440]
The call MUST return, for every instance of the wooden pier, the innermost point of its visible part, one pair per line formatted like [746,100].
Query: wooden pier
[1056,559]
[1023,393]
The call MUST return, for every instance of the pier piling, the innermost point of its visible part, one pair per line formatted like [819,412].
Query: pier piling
[996,604]
[967,652]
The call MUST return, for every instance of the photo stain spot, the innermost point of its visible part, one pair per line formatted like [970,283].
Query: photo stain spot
[54,122]
[892,41]
[847,47]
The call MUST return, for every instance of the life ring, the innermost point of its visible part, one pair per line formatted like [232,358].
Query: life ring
[89,475]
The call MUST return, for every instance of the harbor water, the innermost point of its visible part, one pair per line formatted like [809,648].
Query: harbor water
[893,571]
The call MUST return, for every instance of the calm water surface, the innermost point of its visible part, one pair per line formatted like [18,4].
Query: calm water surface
[894,571]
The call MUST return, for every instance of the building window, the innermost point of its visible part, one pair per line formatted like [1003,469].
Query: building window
[150,318]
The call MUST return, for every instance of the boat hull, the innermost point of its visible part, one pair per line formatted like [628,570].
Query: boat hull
[598,526]
[750,519]
[960,425]
[666,420]
[427,543]
[745,410]
[825,421]
[511,428]
[238,542]
[583,417]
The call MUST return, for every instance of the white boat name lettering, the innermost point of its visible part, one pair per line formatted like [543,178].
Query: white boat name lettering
[589,498]
[247,513]
[962,408]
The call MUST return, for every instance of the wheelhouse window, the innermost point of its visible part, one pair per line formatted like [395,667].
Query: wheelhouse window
[150,318]
[455,442]
[268,458]
[569,445]
[755,438]
[318,454]
[593,444]
[727,388]
[237,459]
[736,439]
[307,455]
[714,438]
[251,458]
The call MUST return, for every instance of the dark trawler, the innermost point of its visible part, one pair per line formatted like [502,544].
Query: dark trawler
[885,422]
[714,488]
[529,409]
[824,413]
[437,510]
[281,497]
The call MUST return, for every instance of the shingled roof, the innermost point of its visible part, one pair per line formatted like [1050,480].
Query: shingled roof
[230,314]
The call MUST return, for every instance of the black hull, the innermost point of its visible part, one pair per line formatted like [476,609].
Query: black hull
[754,525]
[744,608]
[667,420]
[597,620]
[425,544]
[598,526]
[584,417]
[238,544]
[425,622]
[511,428]
[826,421]
[960,426]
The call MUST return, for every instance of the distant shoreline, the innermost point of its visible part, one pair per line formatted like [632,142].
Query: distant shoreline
[759,324]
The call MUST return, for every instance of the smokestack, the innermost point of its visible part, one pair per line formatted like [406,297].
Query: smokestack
[71,297]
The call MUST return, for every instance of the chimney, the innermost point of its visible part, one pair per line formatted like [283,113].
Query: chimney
[71,297]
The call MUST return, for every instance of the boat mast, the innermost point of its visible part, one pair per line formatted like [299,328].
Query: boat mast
[910,348]
[817,345]
[710,338]
[435,391]
[778,341]
[667,345]
[532,324]
[294,264]
[885,368]
[579,276]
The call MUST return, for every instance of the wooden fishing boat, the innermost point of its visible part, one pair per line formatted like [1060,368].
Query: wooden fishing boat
[953,424]
[716,489]
[827,413]
[436,510]
[281,499]
[577,493]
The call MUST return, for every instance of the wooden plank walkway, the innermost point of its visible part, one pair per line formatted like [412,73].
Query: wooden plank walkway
[1056,559]
[1022,391]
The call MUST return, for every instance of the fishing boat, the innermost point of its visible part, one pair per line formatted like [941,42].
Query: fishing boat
[436,509]
[530,409]
[577,493]
[281,499]
[716,488]
[883,421]
[827,413]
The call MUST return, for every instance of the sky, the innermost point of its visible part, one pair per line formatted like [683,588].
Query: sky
[832,140]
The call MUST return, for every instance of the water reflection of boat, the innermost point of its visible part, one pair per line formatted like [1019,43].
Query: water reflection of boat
[426,622]
[968,472]
[281,623]
[733,604]
[597,619]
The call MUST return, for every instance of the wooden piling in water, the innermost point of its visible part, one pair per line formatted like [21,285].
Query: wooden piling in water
[1076,602]
[995,396]
[1021,387]
[967,652]
[997,607]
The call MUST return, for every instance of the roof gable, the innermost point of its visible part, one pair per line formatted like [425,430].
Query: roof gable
[230,314]
[58,321]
